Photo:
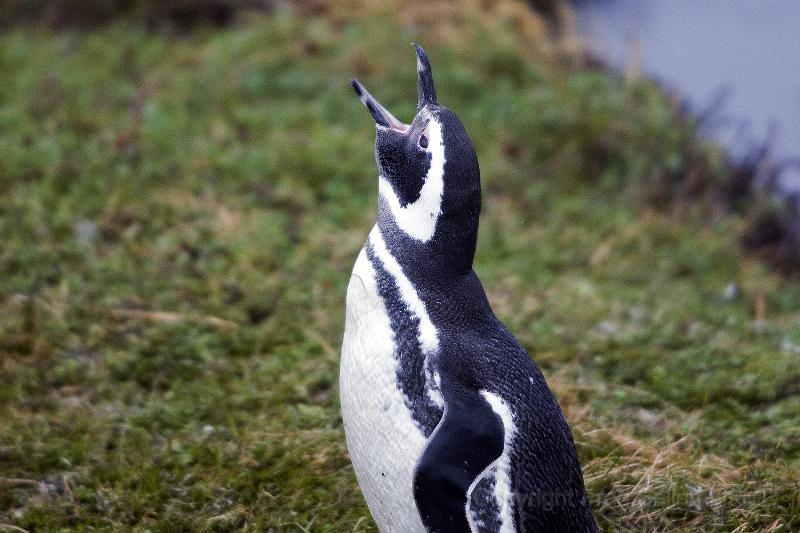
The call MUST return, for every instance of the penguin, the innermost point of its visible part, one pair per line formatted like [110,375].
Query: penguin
[449,423]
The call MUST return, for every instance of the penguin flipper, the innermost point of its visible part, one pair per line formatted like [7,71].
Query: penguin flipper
[468,439]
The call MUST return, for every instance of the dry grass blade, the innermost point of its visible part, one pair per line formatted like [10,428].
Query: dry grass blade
[168,317]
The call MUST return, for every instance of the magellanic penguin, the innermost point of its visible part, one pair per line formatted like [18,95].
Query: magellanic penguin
[449,423]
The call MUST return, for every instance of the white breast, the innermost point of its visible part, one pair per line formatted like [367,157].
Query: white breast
[383,441]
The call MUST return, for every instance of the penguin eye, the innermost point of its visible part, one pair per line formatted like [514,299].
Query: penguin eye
[423,141]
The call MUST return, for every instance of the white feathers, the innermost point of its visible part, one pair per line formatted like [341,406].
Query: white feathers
[428,335]
[418,219]
[501,466]
[475,524]
[382,438]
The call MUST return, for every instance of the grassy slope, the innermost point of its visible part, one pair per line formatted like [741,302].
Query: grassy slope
[179,216]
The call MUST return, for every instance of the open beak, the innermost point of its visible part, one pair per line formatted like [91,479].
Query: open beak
[379,113]
[427,92]
[426,95]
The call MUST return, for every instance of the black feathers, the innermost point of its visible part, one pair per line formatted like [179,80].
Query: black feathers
[411,371]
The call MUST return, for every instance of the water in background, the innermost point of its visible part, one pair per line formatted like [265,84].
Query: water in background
[745,50]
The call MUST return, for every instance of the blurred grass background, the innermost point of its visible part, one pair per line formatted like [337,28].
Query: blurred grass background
[181,202]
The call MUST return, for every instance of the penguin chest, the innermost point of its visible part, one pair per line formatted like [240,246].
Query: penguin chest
[383,440]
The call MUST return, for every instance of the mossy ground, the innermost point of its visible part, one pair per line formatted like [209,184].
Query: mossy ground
[179,215]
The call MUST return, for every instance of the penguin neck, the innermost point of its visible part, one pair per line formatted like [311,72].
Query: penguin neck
[446,256]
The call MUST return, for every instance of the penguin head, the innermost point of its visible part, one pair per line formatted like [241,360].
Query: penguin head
[429,181]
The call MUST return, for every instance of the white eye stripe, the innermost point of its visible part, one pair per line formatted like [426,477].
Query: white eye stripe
[418,219]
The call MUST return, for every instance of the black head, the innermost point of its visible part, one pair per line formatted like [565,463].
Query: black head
[429,181]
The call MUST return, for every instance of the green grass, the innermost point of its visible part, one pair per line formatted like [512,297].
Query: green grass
[179,215]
